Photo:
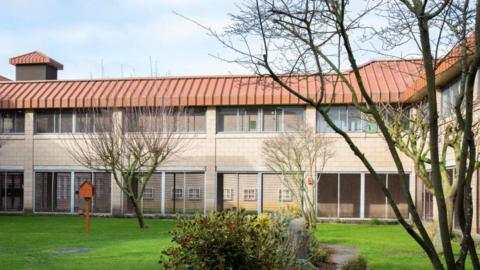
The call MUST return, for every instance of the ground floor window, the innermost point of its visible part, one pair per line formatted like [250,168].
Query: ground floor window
[276,192]
[339,195]
[254,191]
[11,191]
[152,196]
[186,190]
[184,193]
[58,191]
[102,182]
[424,201]
[241,191]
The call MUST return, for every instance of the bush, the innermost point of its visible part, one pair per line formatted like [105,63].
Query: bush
[375,221]
[232,240]
[317,255]
[357,263]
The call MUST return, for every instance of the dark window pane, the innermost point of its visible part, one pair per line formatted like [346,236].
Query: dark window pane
[293,118]
[200,120]
[182,120]
[14,191]
[103,120]
[350,195]
[66,121]
[103,186]
[395,188]
[44,121]
[172,121]
[227,119]
[80,178]
[43,191]
[272,119]
[249,119]
[322,125]
[61,189]
[8,122]
[375,203]
[152,197]
[327,196]
[341,121]
[354,119]
[84,122]
[190,120]
[19,121]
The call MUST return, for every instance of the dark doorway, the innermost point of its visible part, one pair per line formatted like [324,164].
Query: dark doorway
[11,189]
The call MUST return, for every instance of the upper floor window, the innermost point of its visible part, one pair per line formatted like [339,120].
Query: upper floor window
[69,120]
[347,118]
[12,121]
[260,119]
[448,99]
[191,120]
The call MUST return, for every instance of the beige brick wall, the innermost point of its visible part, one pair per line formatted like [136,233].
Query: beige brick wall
[210,151]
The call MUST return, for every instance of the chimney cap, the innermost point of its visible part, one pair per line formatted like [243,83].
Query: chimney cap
[35,58]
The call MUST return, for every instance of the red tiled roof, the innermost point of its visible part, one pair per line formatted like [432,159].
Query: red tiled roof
[35,57]
[385,81]
[4,78]
[447,69]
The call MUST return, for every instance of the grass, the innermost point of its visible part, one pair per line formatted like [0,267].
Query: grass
[27,242]
[384,246]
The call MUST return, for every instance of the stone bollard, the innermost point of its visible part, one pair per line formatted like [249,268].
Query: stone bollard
[298,237]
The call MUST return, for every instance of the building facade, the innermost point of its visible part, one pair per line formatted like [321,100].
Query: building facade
[223,166]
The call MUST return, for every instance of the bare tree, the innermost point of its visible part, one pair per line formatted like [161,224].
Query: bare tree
[131,148]
[299,156]
[409,128]
[293,39]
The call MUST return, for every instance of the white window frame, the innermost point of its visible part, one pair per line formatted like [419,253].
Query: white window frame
[177,195]
[228,194]
[194,194]
[285,195]
[149,194]
[249,194]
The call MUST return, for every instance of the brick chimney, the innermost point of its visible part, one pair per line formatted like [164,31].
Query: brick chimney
[35,66]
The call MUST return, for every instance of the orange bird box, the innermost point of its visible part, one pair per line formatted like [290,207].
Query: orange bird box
[310,180]
[87,190]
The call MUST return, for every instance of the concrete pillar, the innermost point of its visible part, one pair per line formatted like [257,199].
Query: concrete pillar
[475,203]
[310,122]
[116,191]
[28,175]
[311,117]
[211,175]
[413,189]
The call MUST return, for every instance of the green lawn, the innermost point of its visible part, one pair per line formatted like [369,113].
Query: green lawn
[27,242]
[384,246]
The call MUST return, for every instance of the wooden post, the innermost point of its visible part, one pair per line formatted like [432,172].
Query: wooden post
[87,216]
[87,191]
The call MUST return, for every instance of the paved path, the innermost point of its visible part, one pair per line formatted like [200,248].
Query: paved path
[340,254]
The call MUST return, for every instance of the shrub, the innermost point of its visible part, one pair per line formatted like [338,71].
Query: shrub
[357,263]
[375,221]
[317,255]
[232,240]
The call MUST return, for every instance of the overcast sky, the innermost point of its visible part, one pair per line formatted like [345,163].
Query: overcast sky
[123,35]
[82,34]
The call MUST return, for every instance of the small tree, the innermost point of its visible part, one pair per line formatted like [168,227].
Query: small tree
[131,148]
[409,128]
[299,156]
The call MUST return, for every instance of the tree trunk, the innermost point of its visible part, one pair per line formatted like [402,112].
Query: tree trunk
[450,204]
[138,212]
